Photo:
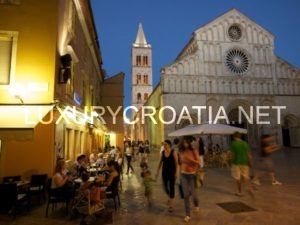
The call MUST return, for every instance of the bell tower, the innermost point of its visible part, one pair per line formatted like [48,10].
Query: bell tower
[141,69]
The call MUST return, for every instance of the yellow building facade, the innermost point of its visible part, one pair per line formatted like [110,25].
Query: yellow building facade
[50,79]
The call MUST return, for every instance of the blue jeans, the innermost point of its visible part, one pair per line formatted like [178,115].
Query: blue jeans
[188,187]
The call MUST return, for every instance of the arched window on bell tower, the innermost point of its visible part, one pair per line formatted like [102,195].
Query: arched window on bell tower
[146,79]
[145,60]
[146,95]
[138,60]
[139,97]
[138,78]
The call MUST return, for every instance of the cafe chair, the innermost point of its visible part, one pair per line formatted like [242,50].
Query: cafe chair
[38,186]
[11,179]
[54,198]
[112,192]
[11,199]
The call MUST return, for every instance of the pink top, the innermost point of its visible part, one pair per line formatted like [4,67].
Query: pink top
[189,161]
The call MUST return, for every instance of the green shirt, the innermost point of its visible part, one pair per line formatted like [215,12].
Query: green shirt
[240,150]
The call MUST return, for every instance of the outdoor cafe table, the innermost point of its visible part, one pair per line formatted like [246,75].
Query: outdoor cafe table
[79,180]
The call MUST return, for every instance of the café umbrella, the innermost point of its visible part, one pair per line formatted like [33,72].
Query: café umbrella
[207,129]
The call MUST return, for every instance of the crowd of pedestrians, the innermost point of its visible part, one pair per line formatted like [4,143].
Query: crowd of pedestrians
[182,162]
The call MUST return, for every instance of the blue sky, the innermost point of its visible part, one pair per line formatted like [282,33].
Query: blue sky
[168,25]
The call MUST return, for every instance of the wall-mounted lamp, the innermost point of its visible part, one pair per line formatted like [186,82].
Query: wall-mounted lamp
[18,91]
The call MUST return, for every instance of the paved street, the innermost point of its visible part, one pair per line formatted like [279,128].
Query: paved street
[274,204]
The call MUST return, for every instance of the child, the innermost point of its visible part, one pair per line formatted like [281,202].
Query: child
[147,180]
[144,166]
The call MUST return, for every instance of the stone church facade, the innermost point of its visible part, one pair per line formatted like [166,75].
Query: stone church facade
[229,62]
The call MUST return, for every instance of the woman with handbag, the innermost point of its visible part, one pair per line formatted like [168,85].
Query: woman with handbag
[190,160]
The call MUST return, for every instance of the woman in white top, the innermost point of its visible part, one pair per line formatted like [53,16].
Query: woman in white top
[60,177]
[61,181]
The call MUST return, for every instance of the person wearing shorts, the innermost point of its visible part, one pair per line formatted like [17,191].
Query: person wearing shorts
[241,159]
[266,163]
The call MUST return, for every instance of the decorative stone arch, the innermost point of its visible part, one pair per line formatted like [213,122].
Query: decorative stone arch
[192,65]
[180,69]
[260,37]
[239,102]
[209,34]
[221,31]
[215,104]
[290,130]
[185,122]
[233,114]
[249,34]
[255,35]
[215,33]
[186,68]
[266,40]
[174,70]
[290,120]
[231,19]
[204,35]
[169,71]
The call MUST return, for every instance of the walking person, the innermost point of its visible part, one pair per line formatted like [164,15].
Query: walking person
[147,148]
[129,153]
[175,146]
[169,163]
[189,160]
[266,164]
[241,159]
[141,150]
[201,152]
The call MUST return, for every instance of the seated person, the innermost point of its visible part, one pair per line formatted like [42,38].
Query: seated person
[79,166]
[61,181]
[113,152]
[100,161]
[113,176]
[93,157]
[60,176]
[95,191]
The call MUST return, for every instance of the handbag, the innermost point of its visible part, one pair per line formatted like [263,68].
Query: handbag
[199,178]
[199,175]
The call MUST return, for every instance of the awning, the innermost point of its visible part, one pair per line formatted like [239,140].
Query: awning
[22,116]
[207,129]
